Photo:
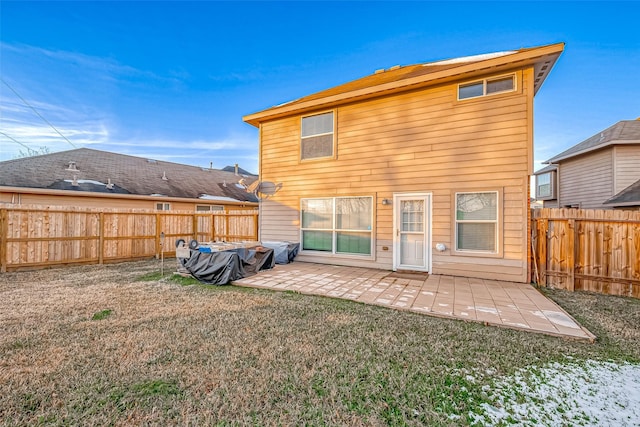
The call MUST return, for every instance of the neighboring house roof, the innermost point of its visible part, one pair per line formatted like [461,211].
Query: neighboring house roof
[623,132]
[630,196]
[241,171]
[546,169]
[402,78]
[88,170]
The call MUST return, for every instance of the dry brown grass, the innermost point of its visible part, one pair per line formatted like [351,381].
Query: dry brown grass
[167,354]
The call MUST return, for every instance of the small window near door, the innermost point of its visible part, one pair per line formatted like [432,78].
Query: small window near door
[477,222]
[163,206]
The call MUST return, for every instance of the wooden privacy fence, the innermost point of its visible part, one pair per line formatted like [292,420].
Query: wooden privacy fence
[585,249]
[35,236]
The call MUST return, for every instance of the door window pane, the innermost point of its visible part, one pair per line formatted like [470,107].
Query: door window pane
[412,215]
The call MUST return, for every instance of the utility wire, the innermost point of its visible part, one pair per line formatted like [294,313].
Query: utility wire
[15,140]
[36,111]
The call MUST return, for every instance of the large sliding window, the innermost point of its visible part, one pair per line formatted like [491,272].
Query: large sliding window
[337,225]
[477,222]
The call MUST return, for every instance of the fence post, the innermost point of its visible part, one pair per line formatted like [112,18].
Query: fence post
[226,226]
[571,254]
[194,225]
[543,227]
[255,226]
[101,238]
[157,243]
[4,230]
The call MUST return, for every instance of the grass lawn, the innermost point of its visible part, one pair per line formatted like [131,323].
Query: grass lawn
[119,345]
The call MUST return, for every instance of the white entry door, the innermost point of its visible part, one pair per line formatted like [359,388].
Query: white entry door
[411,248]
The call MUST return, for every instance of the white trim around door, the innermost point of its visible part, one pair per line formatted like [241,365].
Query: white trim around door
[412,231]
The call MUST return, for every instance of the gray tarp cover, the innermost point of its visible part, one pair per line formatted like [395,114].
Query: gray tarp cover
[285,252]
[220,268]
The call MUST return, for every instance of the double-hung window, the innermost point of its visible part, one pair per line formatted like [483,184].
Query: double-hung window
[316,136]
[337,225]
[163,206]
[486,87]
[545,185]
[476,222]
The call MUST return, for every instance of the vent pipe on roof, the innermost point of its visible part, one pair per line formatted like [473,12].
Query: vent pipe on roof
[164,176]
[75,181]
[236,169]
[109,184]
[210,165]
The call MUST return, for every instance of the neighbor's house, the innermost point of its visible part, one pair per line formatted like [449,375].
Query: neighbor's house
[423,167]
[601,172]
[92,178]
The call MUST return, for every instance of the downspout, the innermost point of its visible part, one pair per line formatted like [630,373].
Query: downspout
[259,181]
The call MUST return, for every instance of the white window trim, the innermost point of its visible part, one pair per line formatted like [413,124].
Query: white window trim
[497,221]
[334,240]
[165,206]
[552,186]
[333,132]
[484,86]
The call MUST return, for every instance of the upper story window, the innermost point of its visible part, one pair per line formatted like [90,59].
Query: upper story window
[545,185]
[316,136]
[486,87]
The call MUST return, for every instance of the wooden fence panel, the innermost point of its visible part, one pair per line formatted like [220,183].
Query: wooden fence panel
[42,236]
[590,250]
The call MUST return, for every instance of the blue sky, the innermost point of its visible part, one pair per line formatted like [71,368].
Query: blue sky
[171,81]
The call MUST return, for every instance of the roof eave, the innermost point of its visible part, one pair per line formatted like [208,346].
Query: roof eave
[73,193]
[621,204]
[527,57]
[591,149]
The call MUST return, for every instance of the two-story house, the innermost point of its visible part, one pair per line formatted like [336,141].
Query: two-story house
[423,167]
[601,172]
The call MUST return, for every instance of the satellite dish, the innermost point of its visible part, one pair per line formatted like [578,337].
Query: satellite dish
[264,188]
[268,188]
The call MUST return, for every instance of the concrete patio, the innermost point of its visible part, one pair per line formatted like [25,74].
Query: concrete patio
[507,304]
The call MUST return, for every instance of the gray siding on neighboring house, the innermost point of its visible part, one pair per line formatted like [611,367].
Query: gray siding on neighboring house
[586,180]
[626,167]
[550,203]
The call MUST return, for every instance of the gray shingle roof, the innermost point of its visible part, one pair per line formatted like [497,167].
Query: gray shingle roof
[128,174]
[623,132]
[630,196]
[546,169]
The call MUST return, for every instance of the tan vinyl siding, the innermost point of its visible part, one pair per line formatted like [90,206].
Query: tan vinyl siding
[627,166]
[418,142]
[586,181]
